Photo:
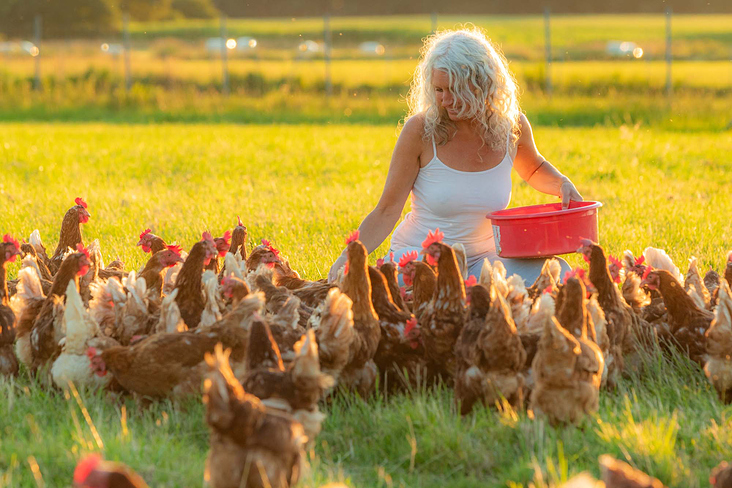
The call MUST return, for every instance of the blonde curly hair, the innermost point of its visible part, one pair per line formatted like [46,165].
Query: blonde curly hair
[485,90]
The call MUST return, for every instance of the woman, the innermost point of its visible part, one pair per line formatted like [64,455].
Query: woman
[464,133]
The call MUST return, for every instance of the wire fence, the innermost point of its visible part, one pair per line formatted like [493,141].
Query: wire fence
[335,55]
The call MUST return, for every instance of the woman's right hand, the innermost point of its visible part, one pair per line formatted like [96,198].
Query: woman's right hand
[339,263]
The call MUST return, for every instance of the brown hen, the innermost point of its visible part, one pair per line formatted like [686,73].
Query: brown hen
[250,445]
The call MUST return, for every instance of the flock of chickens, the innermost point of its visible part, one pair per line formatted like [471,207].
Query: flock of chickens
[269,347]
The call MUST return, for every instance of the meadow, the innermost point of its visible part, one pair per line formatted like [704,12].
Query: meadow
[302,170]
[305,187]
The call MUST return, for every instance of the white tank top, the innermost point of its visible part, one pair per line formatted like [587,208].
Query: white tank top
[456,202]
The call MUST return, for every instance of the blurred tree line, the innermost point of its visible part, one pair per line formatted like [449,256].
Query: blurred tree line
[86,18]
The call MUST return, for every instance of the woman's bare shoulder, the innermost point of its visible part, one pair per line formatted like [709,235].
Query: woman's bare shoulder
[413,128]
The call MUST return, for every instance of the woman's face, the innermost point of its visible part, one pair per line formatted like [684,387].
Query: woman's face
[445,97]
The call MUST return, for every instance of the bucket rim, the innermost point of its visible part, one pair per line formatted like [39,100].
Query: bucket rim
[497,215]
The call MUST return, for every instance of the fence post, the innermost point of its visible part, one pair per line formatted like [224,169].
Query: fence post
[434,22]
[669,87]
[126,41]
[224,48]
[548,51]
[37,25]
[327,40]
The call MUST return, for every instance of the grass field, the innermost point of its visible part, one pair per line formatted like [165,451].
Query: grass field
[305,187]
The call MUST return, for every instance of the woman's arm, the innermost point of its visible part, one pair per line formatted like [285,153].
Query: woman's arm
[537,171]
[403,170]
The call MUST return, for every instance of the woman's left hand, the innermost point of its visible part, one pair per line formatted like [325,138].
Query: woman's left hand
[568,193]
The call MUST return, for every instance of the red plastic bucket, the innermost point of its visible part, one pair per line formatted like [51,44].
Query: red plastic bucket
[543,230]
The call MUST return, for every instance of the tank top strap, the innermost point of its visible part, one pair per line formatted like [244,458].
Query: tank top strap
[434,148]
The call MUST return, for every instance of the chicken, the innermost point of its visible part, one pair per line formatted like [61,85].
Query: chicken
[687,323]
[541,316]
[94,472]
[694,286]
[212,309]
[39,336]
[72,365]
[153,272]
[599,325]
[39,258]
[151,243]
[170,320]
[445,315]
[564,392]
[721,476]
[222,245]
[423,280]
[518,300]
[622,323]
[360,372]
[311,293]
[332,322]
[190,296]
[658,259]
[239,240]
[250,445]
[390,271]
[549,277]
[39,251]
[711,281]
[489,354]
[462,259]
[9,249]
[122,309]
[295,390]
[167,365]
[70,236]
[265,253]
[574,317]
[233,290]
[633,293]
[26,305]
[617,474]
[728,268]
[395,352]
[718,367]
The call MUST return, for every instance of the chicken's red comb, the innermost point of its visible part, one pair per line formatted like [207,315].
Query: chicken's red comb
[85,467]
[547,290]
[649,268]
[574,273]
[432,238]
[8,239]
[227,236]
[91,352]
[271,248]
[379,262]
[146,232]
[206,236]
[80,201]
[407,258]
[80,248]
[353,237]
[238,219]
[615,261]
[471,281]
[391,257]
[640,260]
[176,249]
[411,324]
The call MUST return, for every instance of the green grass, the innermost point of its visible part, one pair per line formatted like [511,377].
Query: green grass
[305,187]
